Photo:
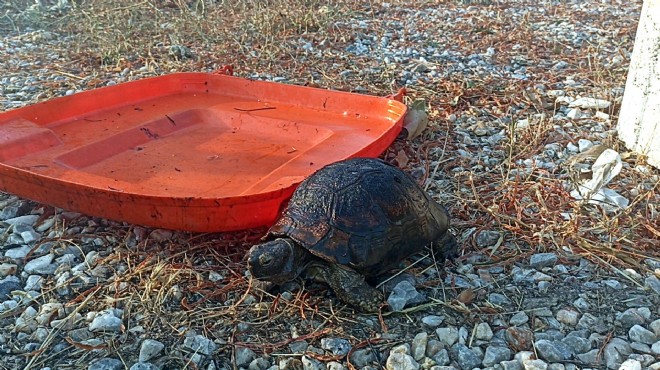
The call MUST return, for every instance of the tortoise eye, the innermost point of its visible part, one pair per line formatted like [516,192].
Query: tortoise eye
[265,259]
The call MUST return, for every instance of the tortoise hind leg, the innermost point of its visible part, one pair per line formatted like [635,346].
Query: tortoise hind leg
[349,286]
[445,247]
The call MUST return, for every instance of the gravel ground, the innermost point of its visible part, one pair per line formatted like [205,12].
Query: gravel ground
[523,92]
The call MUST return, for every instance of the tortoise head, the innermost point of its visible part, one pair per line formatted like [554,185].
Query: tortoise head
[277,260]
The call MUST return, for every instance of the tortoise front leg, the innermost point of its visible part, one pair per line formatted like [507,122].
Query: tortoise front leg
[349,286]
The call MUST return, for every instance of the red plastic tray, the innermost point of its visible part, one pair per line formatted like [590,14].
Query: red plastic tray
[187,151]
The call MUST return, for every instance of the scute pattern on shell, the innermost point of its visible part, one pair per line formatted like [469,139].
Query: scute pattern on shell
[364,213]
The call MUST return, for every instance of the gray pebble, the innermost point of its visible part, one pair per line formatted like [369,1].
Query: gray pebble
[511,365]
[498,299]
[615,352]
[614,284]
[543,286]
[494,355]
[404,294]
[18,252]
[483,331]
[592,358]
[639,334]
[521,275]
[448,336]
[7,285]
[106,363]
[363,357]
[244,356]
[464,356]
[28,220]
[441,357]
[260,364]
[577,344]
[655,348]
[540,260]
[41,265]
[310,363]
[653,283]
[418,347]
[644,312]
[433,346]
[548,351]
[337,346]
[581,304]
[556,366]
[487,238]
[433,320]
[640,347]
[200,344]
[629,318]
[144,366]
[33,282]
[298,347]
[519,318]
[149,349]
[655,326]
[591,322]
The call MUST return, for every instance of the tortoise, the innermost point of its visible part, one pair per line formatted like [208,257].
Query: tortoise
[349,222]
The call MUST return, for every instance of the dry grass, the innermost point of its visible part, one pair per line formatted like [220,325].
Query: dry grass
[165,287]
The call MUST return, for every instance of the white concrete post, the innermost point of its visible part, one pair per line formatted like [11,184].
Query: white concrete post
[639,119]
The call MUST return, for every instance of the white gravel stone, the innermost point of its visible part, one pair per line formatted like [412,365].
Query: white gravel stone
[568,317]
[522,356]
[7,269]
[401,361]
[47,312]
[535,365]
[630,365]
[590,103]
[106,321]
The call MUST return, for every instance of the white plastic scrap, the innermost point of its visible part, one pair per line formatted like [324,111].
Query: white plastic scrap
[589,103]
[606,167]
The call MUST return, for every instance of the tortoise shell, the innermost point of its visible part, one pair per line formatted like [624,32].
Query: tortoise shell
[363,213]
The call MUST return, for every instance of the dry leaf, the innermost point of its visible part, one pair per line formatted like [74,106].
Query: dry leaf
[402,159]
[467,296]
[416,119]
